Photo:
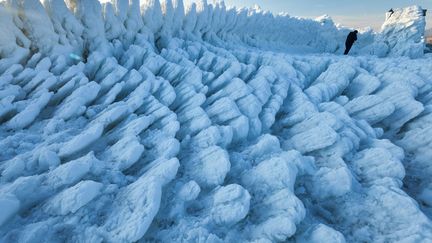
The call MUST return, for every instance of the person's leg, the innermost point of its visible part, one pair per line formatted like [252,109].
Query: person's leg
[347,48]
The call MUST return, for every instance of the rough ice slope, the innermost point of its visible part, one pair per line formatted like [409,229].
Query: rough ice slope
[176,127]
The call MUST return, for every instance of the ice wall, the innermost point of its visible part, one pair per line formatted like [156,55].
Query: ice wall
[214,23]
[258,28]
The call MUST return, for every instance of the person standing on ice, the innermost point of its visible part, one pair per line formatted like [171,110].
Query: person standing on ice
[390,13]
[351,38]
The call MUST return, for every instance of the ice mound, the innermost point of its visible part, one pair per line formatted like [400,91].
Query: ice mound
[150,121]
[402,34]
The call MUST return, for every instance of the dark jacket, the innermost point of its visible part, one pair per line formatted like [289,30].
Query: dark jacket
[352,37]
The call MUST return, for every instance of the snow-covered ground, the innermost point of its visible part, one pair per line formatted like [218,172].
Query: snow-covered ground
[159,122]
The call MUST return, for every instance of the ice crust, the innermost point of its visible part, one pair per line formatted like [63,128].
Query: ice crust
[148,121]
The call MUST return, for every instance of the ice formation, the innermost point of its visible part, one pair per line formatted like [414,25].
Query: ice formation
[402,34]
[152,121]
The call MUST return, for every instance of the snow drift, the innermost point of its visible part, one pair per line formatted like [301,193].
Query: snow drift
[124,122]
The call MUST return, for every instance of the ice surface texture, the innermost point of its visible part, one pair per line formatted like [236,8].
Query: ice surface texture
[154,122]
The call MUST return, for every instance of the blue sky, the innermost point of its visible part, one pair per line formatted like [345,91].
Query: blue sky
[352,13]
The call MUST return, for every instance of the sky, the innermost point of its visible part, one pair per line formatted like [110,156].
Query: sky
[350,13]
